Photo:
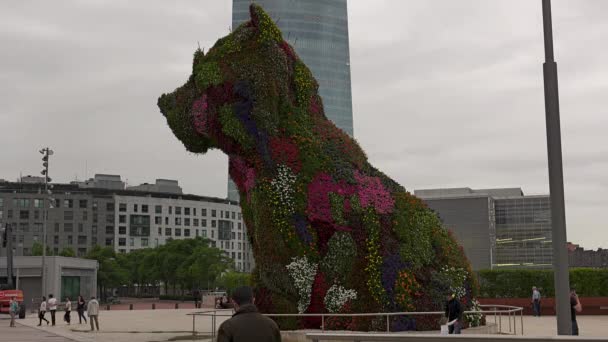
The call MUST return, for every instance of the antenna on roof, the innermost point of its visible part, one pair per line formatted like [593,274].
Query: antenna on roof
[199,44]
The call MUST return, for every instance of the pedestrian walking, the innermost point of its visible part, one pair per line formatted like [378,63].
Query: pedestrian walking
[13,309]
[247,324]
[68,311]
[453,310]
[80,308]
[42,311]
[536,301]
[575,306]
[52,305]
[93,312]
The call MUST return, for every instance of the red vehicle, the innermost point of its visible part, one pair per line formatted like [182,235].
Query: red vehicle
[5,299]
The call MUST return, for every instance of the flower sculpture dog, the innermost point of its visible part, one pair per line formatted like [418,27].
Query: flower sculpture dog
[330,233]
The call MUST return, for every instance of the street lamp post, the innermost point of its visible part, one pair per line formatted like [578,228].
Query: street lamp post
[556,180]
[46,152]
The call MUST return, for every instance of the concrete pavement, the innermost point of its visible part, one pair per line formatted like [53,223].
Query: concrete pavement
[23,333]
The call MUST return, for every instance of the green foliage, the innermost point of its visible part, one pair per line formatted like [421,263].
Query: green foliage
[338,263]
[37,249]
[231,280]
[517,283]
[207,74]
[373,257]
[233,127]
[304,83]
[413,229]
[67,252]
[336,202]
[110,273]
[269,32]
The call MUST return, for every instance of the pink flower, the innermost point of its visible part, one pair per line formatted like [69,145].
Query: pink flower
[372,192]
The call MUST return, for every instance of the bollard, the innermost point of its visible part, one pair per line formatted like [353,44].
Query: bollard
[153,306]
[177,305]
[130,306]
[108,307]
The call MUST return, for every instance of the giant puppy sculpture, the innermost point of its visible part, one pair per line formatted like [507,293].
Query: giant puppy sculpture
[330,233]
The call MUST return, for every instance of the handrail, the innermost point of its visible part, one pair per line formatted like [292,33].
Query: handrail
[506,309]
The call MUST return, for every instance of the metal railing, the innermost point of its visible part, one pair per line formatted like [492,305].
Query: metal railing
[492,310]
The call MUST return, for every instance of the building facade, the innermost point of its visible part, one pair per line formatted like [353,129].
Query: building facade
[580,257]
[318,30]
[103,212]
[498,228]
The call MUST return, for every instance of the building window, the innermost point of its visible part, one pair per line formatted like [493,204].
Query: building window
[94,205]
[166,220]
[85,215]
[240,216]
[94,241]
[239,238]
[178,232]
[186,232]
[24,227]
[132,242]
[213,223]
[109,242]
[213,213]
[56,227]
[212,234]
[68,215]
[68,203]
[122,218]
[158,209]
[187,222]
[109,230]
[122,207]
[203,211]
[95,217]
[195,222]
[233,215]
[57,203]
[109,218]
[178,210]
[82,204]
[80,227]
[239,255]
[144,242]
[203,223]
[123,251]
[37,227]
[82,252]
[24,214]
[144,208]
[68,227]
[167,231]
[178,221]
[160,231]
[158,220]
[110,206]
[186,211]
[9,214]
[70,240]
[134,207]
[122,241]
[38,203]
[196,230]
[82,239]
[94,229]
[204,233]
[122,230]
[170,210]
[56,239]
[194,211]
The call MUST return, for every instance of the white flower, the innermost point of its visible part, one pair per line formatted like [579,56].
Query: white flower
[303,274]
[337,296]
[283,188]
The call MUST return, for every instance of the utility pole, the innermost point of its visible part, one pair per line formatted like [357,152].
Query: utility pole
[556,180]
[46,152]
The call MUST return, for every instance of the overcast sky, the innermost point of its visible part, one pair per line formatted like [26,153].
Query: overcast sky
[445,93]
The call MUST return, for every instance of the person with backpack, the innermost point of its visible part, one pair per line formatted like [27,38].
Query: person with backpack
[93,312]
[42,311]
[13,310]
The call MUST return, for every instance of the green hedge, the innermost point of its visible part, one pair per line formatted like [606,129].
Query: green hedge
[588,282]
[182,298]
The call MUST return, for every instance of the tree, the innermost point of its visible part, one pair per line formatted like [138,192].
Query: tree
[110,274]
[231,280]
[37,249]
[67,252]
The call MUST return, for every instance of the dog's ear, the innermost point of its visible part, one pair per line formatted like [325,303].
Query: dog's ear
[267,29]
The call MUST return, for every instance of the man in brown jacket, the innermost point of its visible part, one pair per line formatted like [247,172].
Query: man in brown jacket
[247,324]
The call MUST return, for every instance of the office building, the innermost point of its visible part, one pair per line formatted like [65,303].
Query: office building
[101,211]
[580,257]
[498,228]
[318,30]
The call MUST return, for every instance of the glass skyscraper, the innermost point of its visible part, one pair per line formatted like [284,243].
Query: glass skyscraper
[318,30]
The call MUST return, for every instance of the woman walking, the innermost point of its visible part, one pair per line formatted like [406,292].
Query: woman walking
[80,308]
[42,311]
[68,310]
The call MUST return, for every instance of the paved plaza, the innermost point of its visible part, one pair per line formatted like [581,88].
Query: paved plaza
[175,325]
